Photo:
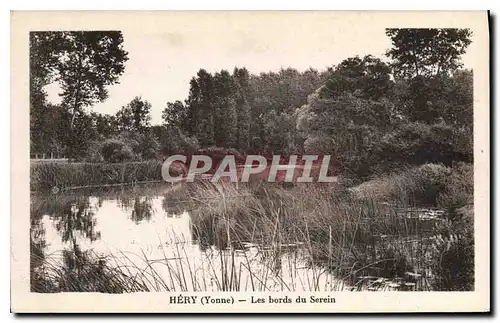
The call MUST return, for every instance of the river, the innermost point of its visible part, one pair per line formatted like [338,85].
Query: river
[144,235]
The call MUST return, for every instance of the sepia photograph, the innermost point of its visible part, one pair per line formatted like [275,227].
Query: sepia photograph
[258,158]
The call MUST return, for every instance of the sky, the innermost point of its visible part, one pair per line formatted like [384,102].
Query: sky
[162,60]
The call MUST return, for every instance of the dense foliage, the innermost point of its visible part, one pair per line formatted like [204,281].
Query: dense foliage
[370,114]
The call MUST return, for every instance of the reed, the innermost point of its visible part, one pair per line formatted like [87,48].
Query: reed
[47,176]
[262,237]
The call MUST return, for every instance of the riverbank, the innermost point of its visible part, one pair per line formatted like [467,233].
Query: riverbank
[46,177]
[408,231]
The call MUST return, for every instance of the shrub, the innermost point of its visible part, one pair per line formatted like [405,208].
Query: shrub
[94,153]
[459,191]
[149,148]
[425,183]
[415,186]
[116,151]
[173,141]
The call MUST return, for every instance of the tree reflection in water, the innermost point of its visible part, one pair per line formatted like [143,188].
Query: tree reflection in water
[72,269]
[37,256]
[73,218]
[81,271]
[175,205]
[140,207]
[77,216]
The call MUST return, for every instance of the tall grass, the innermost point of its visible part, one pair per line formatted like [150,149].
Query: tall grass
[46,176]
[351,237]
[81,271]
[251,269]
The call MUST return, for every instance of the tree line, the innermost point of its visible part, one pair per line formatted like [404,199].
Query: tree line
[372,115]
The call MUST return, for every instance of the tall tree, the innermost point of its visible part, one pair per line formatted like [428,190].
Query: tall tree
[83,63]
[135,116]
[105,125]
[200,103]
[176,115]
[282,92]
[44,54]
[427,52]
[43,51]
[90,61]
[366,77]
[241,79]
[224,107]
[348,115]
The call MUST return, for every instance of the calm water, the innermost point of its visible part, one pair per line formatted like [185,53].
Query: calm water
[146,237]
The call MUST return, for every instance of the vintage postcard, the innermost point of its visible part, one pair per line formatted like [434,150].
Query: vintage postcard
[250,161]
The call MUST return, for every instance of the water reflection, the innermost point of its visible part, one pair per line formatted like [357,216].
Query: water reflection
[139,207]
[37,257]
[77,218]
[80,241]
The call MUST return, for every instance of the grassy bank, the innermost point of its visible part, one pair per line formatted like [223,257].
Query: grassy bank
[46,176]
